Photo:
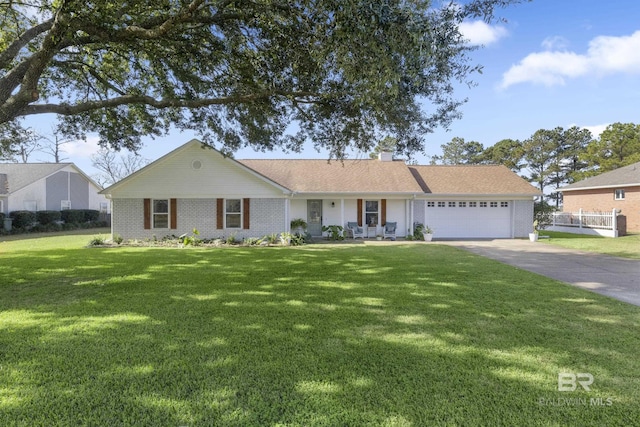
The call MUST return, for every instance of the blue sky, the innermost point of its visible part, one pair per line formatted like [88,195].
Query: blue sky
[552,63]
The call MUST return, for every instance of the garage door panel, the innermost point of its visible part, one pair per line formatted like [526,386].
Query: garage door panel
[469,222]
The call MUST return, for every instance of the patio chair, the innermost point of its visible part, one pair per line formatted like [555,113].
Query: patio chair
[390,230]
[355,230]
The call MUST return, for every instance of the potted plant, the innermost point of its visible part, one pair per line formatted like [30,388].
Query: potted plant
[298,226]
[422,232]
[534,236]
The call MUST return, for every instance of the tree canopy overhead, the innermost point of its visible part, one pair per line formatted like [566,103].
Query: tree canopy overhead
[257,73]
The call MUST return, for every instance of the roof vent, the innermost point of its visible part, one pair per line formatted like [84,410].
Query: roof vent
[385,156]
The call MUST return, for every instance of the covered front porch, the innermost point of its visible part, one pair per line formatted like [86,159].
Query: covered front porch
[371,213]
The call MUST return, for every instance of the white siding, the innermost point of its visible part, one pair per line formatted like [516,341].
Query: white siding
[298,209]
[396,212]
[418,211]
[175,177]
[94,198]
[32,192]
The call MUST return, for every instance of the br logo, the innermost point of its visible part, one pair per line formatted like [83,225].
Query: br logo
[568,381]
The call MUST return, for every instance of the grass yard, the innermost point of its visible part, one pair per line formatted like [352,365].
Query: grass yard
[626,246]
[321,335]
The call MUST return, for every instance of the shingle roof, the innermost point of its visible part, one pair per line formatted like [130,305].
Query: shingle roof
[471,179]
[622,177]
[20,175]
[348,176]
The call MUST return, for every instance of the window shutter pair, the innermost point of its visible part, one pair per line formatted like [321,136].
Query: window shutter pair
[246,214]
[173,212]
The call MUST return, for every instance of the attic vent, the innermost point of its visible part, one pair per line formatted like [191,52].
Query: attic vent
[196,164]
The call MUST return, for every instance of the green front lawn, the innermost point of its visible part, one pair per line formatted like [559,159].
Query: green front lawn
[626,246]
[403,335]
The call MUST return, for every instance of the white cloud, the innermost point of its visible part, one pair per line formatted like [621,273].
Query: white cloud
[81,149]
[547,68]
[616,54]
[555,43]
[596,130]
[481,33]
[605,55]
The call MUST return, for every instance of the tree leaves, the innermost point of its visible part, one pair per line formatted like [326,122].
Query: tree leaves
[341,73]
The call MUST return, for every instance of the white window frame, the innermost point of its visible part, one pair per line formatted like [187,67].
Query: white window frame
[618,194]
[65,205]
[227,213]
[1,205]
[368,212]
[104,207]
[155,214]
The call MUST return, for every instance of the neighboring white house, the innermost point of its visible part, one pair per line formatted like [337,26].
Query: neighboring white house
[47,186]
[196,187]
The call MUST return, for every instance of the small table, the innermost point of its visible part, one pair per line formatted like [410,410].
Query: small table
[371,231]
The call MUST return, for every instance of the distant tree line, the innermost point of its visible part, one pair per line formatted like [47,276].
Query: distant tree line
[553,158]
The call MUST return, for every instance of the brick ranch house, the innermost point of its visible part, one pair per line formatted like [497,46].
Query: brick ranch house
[617,189]
[197,187]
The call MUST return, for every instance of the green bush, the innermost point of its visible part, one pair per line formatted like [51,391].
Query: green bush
[91,215]
[2,216]
[97,241]
[48,217]
[23,219]
[73,216]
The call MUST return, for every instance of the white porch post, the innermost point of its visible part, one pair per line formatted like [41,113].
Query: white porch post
[287,210]
[411,215]
[342,223]
[614,221]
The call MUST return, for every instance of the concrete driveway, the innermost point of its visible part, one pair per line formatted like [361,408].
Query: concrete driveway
[615,277]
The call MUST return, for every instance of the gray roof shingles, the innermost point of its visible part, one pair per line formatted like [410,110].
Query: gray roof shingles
[625,176]
[19,175]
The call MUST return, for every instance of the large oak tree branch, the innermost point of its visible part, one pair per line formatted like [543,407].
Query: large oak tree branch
[83,107]
[10,53]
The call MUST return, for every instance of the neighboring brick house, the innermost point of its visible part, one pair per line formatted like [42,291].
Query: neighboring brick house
[617,189]
[192,187]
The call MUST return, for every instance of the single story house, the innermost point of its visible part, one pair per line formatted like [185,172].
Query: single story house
[196,187]
[47,186]
[617,189]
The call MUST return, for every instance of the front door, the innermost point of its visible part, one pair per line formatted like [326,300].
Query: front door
[314,217]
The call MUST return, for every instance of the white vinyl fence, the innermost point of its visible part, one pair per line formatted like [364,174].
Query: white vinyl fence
[600,223]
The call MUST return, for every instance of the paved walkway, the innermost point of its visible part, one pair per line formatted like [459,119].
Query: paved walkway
[616,277]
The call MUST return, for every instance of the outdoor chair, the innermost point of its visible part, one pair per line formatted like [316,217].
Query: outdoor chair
[390,230]
[355,230]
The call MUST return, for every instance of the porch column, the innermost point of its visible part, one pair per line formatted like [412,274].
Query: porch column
[410,216]
[287,210]
[342,223]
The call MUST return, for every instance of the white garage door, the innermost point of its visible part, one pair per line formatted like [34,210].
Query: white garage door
[469,219]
